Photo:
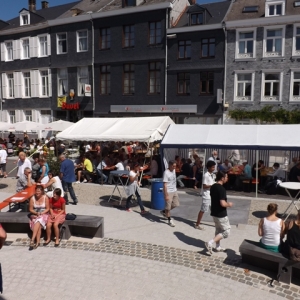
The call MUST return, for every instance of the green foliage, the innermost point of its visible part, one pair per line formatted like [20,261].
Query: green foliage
[53,163]
[267,115]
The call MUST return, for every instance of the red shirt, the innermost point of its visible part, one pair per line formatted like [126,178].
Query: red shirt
[57,204]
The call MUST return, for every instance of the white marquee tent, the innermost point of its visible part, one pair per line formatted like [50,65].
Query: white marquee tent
[141,129]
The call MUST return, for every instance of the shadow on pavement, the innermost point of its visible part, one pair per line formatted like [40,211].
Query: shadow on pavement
[189,240]
[153,218]
[260,214]
[3,186]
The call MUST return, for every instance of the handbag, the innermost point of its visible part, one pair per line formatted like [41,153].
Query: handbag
[294,254]
[70,217]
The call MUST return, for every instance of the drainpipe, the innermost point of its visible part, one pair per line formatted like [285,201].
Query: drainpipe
[93,65]
[225,70]
[166,60]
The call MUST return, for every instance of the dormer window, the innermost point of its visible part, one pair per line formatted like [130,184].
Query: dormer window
[249,9]
[129,3]
[24,18]
[197,19]
[275,8]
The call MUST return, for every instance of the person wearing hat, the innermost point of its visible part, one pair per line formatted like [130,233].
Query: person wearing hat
[3,156]
[246,175]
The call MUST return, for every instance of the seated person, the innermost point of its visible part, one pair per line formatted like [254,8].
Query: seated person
[118,167]
[53,183]
[88,169]
[294,175]
[226,166]
[43,172]
[153,167]
[186,171]
[78,168]
[278,173]
[258,168]
[57,216]
[291,246]
[271,182]
[246,175]
[25,180]
[102,177]
[271,229]
[39,208]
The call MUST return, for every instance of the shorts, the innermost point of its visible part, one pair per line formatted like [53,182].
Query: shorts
[205,206]
[222,226]
[173,201]
[3,167]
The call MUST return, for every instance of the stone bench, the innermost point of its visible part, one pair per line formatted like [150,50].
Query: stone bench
[91,226]
[254,255]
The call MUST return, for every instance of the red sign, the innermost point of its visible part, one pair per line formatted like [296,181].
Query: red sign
[69,106]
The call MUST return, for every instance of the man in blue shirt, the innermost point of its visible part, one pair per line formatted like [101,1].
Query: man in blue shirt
[67,176]
[246,175]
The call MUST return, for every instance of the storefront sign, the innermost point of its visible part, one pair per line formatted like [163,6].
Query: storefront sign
[70,106]
[154,108]
[61,100]
[87,90]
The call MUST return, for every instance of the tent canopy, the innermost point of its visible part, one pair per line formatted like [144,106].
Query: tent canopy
[142,129]
[264,137]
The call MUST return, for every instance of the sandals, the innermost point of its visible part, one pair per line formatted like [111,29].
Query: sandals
[56,245]
[46,243]
[36,245]
[32,245]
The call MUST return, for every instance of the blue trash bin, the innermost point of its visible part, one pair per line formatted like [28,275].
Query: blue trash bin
[157,194]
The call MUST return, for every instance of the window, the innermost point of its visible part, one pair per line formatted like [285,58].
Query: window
[184,49]
[105,80]
[206,83]
[183,83]
[155,33]
[271,89]
[27,84]
[245,44]
[61,43]
[82,41]
[24,18]
[12,116]
[28,115]
[25,49]
[83,78]
[128,79]
[208,47]
[296,47]
[275,8]
[197,19]
[10,81]
[297,4]
[274,42]
[44,83]
[105,38]
[247,9]
[43,46]
[244,84]
[129,3]
[128,36]
[154,78]
[9,50]
[62,80]
[295,86]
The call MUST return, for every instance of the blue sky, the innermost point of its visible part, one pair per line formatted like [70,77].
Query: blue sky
[10,9]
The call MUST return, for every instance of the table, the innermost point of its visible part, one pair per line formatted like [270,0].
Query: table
[291,186]
[118,175]
[22,195]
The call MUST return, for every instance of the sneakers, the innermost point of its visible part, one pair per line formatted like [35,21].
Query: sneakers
[171,223]
[77,182]
[129,210]
[208,246]
[143,212]
[199,227]
[220,249]
[162,212]
[84,180]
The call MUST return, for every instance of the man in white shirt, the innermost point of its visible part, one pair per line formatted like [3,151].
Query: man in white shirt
[208,180]
[22,163]
[215,159]
[118,167]
[3,156]
[170,191]
[100,167]
[235,157]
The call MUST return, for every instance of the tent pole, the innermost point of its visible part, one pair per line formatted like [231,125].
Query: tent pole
[256,175]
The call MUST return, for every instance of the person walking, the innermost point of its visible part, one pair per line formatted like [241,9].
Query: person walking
[3,156]
[208,181]
[219,206]
[67,176]
[170,191]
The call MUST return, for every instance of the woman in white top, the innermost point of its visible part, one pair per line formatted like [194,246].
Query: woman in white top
[271,229]
[133,188]
[53,183]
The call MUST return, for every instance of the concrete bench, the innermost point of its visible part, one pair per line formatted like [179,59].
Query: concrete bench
[91,226]
[253,254]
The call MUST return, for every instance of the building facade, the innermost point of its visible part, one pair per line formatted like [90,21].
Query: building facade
[263,56]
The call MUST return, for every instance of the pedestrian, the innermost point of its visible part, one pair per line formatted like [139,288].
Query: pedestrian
[214,157]
[22,163]
[170,191]
[3,156]
[219,206]
[67,176]
[208,180]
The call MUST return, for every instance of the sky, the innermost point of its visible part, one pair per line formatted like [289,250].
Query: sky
[10,9]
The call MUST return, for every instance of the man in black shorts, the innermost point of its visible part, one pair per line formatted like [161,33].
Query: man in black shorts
[219,206]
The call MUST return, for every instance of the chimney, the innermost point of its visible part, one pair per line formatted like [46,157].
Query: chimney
[32,5]
[192,2]
[45,4]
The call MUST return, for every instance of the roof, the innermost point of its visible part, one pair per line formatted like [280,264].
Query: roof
[216,10]
[45,14]
[236,10]
[254,137]
[104,5]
